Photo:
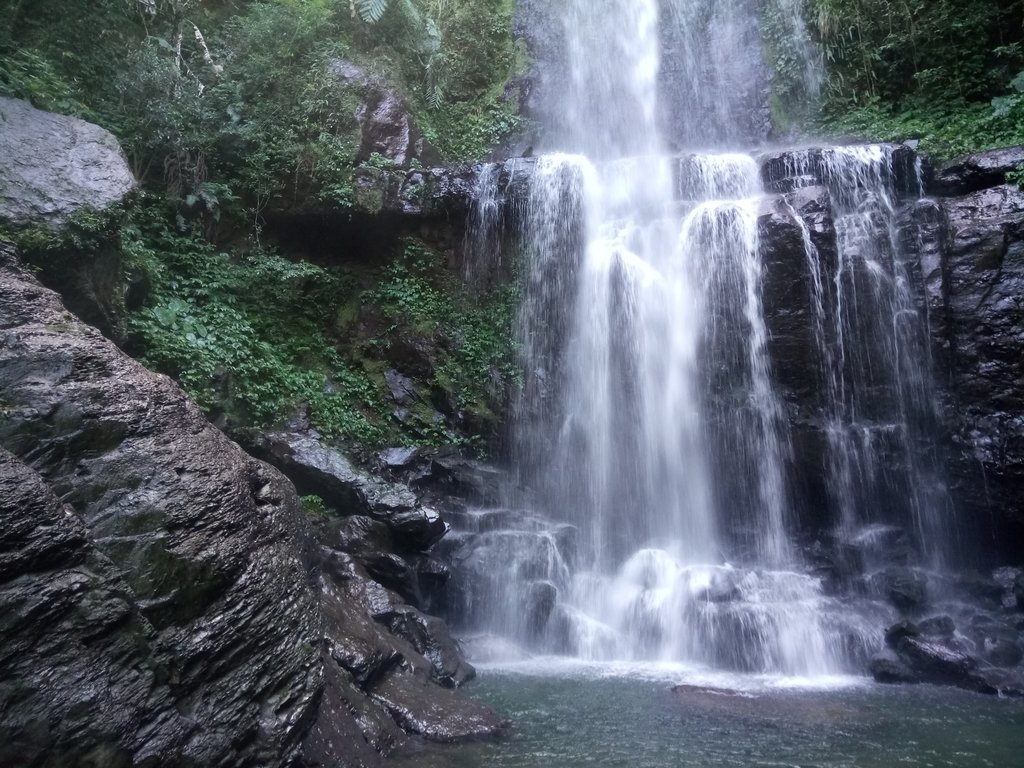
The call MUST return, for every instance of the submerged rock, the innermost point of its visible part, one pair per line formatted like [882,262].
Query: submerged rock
[889,669]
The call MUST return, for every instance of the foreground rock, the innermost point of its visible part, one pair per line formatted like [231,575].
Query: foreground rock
[67,607]
[55,166]
[172,580]
[215,613]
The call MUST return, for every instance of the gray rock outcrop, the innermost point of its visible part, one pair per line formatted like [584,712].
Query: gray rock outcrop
[56,165]
[386,123]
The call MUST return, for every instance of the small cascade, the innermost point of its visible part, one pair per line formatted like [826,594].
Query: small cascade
[872,334]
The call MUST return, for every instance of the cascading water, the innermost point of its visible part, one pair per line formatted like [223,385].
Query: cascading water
[874,341]
[648,430]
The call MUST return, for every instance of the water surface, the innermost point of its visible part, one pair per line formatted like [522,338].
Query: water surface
[567,715]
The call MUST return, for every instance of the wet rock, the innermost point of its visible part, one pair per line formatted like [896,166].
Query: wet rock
[906,588]
[351,730]
[436,714]
[900,630]
[934,660]
[56,165]
[889,669]
[875,545]
[373,638]
[394,573]
[936,626]
[976,320]
[397,459]
[359,535]
[540,601]
[430,636]
[67,608]
[208,590]
[317,468]
[365,605]
[1000,682]
[982,590]
[787,170]
[788,311]
[432,576]
[417,529]
[1003,653]
[453,474]
[386,124]
[976,172]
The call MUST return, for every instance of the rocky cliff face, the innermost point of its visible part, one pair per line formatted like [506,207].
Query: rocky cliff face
[963,244]
[973,255]
[194,600]
[176,583]
[165,599]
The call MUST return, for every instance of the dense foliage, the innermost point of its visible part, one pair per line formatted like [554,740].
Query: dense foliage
[950,72]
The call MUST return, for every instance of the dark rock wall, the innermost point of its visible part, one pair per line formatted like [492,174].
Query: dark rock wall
[973,257]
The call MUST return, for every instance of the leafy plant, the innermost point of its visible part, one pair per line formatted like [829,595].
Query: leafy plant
[370,11]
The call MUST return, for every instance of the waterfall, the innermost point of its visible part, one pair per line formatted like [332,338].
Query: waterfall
[658,522]
[873,337]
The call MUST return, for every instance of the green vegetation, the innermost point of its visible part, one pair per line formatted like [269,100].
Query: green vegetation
[254,335]
[949,72]
[314,507]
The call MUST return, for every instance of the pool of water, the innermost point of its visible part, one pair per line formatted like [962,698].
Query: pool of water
[567,714]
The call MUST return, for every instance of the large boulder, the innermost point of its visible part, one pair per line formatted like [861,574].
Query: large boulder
[55,166]
[159,588]
[177,560]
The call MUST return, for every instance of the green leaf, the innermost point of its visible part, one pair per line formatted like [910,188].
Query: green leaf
[371,11]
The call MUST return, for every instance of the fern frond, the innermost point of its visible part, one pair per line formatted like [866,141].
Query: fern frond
[371,11]
[435,97]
